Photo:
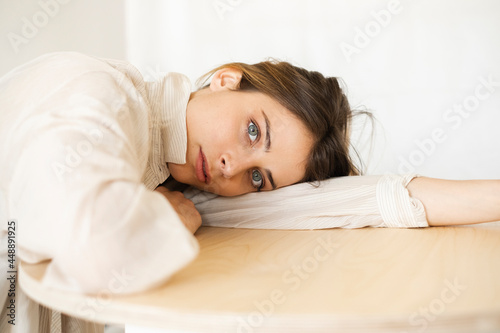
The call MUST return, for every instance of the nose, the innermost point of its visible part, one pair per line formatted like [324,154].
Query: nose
[231,165]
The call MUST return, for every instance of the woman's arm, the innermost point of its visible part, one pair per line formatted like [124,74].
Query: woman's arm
[73,169]
[455,202]
[342,202]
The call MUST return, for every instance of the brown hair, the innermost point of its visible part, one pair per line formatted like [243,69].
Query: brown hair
[318,101]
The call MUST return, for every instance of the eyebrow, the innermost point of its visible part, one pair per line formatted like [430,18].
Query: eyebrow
[268,147]
[268,132]
[270,177]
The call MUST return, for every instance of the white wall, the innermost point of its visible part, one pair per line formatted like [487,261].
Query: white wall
[426,58]
[417,64]
[29,28]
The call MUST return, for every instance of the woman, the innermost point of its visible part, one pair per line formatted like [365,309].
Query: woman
[86,144]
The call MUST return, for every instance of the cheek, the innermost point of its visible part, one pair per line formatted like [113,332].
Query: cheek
[229,188]
[224,136]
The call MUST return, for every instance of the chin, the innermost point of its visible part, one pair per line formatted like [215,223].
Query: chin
[178,179]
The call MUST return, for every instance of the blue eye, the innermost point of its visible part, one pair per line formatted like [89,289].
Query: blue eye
[253,131]
[257,179]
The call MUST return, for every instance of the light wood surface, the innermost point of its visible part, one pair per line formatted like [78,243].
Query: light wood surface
[364,280]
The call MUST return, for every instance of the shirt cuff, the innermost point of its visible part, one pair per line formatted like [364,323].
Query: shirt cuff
[397,208]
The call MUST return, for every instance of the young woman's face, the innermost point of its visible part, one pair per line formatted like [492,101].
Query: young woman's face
[240,142]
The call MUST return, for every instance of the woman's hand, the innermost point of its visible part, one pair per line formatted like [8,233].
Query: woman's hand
[184,208]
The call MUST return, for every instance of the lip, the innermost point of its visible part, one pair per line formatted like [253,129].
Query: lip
[199,168]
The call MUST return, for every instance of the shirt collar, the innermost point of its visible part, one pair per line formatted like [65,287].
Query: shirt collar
[168,98]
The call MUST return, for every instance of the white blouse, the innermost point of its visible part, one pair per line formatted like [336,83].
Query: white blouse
[84,141]
[344,202]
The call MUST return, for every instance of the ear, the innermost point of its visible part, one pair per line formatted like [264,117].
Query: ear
[226,78]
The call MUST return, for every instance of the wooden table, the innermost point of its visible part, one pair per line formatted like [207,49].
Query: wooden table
[364,280]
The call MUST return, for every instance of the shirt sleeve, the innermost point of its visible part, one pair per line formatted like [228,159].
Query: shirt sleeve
[77,194]
[344,202]
[397,208]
